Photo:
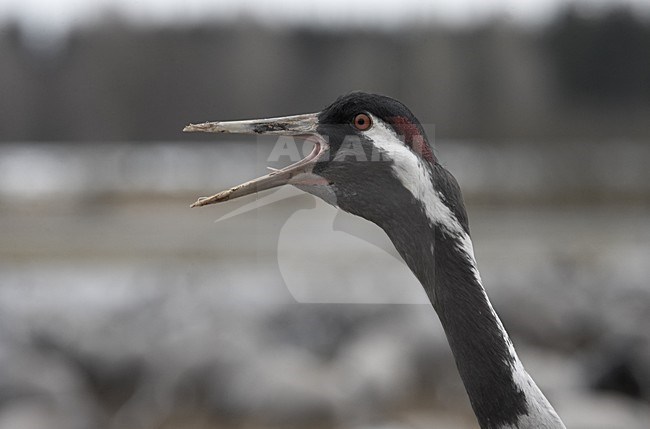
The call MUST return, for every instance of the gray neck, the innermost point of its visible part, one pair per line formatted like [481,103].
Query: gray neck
[424,216]
[501,392]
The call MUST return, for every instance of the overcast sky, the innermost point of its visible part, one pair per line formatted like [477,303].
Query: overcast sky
[56,15]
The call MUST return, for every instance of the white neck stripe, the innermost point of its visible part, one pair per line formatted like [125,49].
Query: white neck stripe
[410,170]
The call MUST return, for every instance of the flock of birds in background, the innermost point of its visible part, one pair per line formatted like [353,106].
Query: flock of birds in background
[372,158]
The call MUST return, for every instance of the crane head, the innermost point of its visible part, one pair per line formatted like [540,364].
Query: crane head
[364,146]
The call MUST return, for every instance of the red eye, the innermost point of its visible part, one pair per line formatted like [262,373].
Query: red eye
[362,122]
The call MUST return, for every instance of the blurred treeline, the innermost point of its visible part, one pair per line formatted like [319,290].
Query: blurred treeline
[579,77]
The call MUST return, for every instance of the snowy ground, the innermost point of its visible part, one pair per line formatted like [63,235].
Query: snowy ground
[120,309]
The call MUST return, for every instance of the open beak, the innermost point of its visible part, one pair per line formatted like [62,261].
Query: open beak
[299,173]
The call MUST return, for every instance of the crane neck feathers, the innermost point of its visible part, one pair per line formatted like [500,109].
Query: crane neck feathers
[432,235]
